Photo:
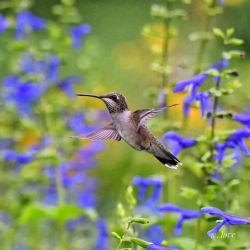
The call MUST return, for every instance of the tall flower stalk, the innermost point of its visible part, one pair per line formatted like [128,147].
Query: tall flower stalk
[211,8]
[165,13]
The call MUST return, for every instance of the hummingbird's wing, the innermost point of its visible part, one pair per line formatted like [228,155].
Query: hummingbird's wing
[108,132]
[145,114]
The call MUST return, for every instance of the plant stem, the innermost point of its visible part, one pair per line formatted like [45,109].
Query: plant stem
[124,235]
[165,54]
[203,42]
[58,180]
[214,112]
[164,60]
[198,226]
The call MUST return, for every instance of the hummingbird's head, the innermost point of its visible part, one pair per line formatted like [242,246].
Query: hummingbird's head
[115,102]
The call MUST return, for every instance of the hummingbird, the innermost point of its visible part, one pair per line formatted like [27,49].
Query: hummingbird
[131,127]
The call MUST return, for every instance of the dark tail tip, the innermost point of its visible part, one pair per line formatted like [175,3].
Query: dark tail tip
[171,161]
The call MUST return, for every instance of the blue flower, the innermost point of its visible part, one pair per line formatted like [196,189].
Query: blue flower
[44,143]
[71,178]
[23,94]
[144,184]
[4,24]
[154,234]
[243,118]
[50,195]
[48,67]
[185,214]
[27,22]
[216,176]
[66,85]
[178,143]
[78,125]
[53,67]
[21,246]
[20,159]
[5,219]
[79,186]
[78,32]
[87,197]
[235,142]
[228,219]
[152,246]
[219,66]
[102,239]
[203,98]
[193,84]
[29,65]
[85,158]
[6,143]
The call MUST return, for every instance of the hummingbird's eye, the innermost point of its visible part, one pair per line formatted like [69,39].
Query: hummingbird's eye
[115,98]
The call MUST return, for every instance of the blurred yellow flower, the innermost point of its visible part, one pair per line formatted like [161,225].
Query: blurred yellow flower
[30,137]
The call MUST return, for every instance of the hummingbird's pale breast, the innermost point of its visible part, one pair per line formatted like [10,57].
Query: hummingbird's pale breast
[127,128]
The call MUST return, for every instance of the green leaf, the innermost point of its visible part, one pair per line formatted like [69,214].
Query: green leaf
[140,242]
[228,161]
[63,213]
[159,11]
[183,242]
[206,156]
[211,192]
[218,245]
[189,193]
[116,235]
[130,197]
[68,2]
[120,210]
[33,214]
[233,54]
[219,33]
[212,72]
[235,41]
[214,11]
[230,32]
[150,31]
[233,183]
[186,1]
[234,84]
[178,13]
[197,36]
[139,220]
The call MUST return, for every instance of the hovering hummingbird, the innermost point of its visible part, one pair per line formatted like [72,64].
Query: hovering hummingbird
[131,127]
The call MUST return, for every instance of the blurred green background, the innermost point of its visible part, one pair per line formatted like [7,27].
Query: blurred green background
[117,57]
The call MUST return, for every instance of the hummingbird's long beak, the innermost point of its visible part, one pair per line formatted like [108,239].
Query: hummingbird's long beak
[90,95]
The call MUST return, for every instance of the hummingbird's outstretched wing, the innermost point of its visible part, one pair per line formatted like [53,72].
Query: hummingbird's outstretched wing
[108,132]
[146,114]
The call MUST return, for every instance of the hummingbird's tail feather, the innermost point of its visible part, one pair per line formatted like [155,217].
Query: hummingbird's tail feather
[170,161]
[163,155]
